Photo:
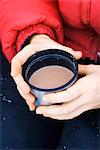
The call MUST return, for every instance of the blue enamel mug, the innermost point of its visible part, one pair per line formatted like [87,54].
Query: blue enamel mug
[46,58]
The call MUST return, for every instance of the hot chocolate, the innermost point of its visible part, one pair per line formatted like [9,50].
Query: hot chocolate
[50,77]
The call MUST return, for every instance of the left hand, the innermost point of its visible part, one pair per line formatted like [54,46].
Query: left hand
[82,96]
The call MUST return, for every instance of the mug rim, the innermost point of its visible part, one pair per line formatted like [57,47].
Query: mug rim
[40,54]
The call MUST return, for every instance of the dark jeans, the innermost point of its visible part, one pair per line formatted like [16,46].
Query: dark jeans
[24,130]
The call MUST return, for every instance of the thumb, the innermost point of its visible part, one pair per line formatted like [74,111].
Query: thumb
[76,54]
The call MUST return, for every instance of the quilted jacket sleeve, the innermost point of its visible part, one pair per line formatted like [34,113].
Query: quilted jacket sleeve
[20,19]
[82,30]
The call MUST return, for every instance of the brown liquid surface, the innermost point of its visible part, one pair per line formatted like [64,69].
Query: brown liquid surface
[50,77]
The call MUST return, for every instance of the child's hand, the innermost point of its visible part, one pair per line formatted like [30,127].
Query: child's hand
[38,43]
[82,96]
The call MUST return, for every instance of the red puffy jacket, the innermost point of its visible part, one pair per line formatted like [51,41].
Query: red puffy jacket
[74,23]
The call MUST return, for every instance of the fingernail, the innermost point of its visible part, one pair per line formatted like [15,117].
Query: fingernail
[31,108]
[38,111]
[30,100]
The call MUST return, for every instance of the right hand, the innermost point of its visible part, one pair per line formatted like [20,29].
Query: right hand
[37,43]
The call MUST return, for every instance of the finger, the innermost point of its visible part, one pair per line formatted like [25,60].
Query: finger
[88,69]
[76,54]
[21,83]
[83,69]
[15,67]
[64,108]
[29,98]
[69,116]
[16,74]
[57,117]
[31,106]
[25,53]
[64,96]
[20,59]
